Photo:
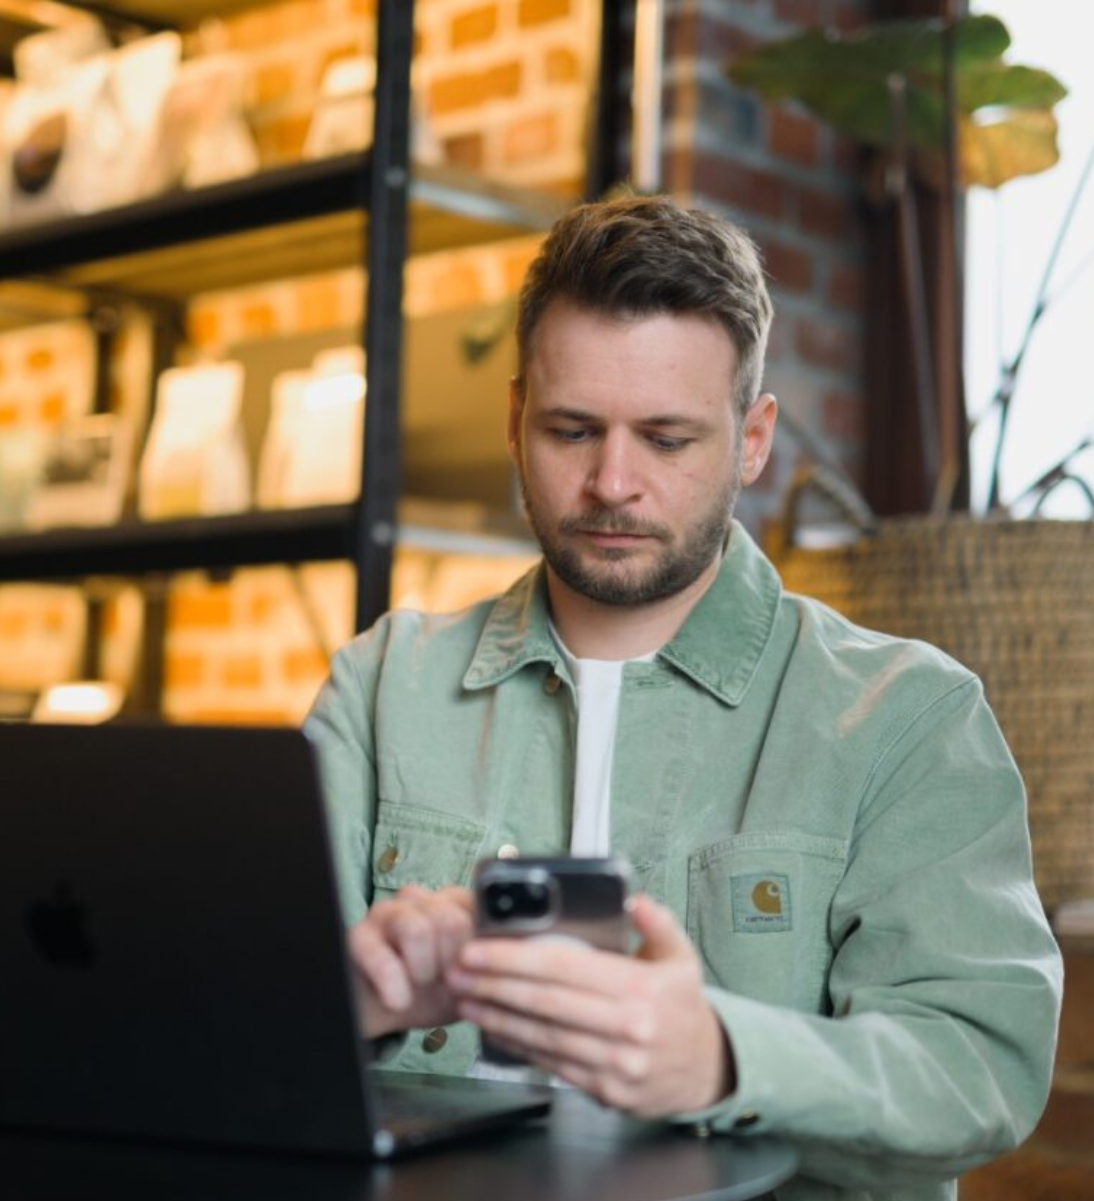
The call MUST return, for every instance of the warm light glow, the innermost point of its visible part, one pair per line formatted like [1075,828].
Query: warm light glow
[329,391]
[84,702]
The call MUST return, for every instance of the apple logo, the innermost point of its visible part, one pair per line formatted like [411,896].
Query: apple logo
[58,929]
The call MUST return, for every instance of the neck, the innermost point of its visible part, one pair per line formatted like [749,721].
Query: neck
[592,630]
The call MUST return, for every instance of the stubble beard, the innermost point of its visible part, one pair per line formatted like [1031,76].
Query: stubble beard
[609,579]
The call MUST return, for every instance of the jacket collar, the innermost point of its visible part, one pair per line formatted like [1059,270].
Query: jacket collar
[719,645]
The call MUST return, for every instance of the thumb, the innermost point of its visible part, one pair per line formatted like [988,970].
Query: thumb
[662,935]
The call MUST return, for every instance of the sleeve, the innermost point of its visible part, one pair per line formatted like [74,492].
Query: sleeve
[340,727]
[945,983]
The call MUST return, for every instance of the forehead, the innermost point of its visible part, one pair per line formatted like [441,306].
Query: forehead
[660,357]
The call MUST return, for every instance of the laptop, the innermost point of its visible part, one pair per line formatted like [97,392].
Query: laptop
[172,954]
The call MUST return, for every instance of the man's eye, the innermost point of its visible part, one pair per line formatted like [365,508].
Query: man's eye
[570,435]
[668,444]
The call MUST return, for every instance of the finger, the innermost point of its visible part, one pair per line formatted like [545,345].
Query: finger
[414,938]
[561,1005]
[548,1043]
[461,898]
[548,961]
[662,935]
[381,968]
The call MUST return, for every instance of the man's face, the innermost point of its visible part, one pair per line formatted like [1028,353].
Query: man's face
[629,455]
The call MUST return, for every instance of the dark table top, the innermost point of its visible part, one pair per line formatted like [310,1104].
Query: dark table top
[580,1153]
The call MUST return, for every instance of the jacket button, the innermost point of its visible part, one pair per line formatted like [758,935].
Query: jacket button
[435,1040]
[508,851]
[388,859]
[746,1120]
[552,684]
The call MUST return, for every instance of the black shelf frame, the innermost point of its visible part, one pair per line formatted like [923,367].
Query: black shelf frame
[366,207]
[135,548]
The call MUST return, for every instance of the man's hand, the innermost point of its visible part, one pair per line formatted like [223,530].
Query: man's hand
[401,951]
[635,1033]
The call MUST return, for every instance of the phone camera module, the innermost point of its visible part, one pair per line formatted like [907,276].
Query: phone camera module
[518,899]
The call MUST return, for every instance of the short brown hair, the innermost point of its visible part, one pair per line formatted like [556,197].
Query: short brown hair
[644,255]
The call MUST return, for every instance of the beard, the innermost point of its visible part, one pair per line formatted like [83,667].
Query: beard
[609,578]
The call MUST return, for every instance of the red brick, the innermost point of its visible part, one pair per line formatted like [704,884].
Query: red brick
[788,266]
[538,12]
[242,671]
[822,213]
[562,65]
[183,670]
[303,666]
[749,188]
[465,150]
[502,82]
[843,415]
[531,138]
[51,409]
[794,137]
[453,92]
[798,12]
[847,287]
[211,608]
[474,25]
[824,344]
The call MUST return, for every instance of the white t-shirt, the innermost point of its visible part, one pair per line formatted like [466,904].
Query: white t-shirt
[599,683]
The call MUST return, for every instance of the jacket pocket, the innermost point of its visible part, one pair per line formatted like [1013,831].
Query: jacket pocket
[414,845]
[758,906]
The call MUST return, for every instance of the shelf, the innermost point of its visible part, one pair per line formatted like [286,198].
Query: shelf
[174,14]
[252,539]
[290,221]
[136,547]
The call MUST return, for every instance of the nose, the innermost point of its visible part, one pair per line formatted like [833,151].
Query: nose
[614,474]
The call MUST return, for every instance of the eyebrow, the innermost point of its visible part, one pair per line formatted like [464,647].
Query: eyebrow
[660,420]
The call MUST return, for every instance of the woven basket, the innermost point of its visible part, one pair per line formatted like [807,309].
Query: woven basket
[1013,601]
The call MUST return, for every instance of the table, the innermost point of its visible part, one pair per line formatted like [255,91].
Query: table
[580,1153]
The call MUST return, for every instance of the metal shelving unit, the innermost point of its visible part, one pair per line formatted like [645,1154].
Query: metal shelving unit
[307,217]
[371,208]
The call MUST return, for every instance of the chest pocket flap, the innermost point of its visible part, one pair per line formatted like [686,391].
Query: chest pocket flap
[412,845]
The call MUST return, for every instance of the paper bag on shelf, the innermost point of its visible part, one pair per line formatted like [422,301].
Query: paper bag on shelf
[195,460]
[82,140]
[83,473]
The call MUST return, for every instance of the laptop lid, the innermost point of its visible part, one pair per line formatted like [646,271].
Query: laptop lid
[171,952]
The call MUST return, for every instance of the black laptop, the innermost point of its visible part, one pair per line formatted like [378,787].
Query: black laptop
[171,952]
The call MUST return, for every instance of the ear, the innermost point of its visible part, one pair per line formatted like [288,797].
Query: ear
[757,433]
[516,409]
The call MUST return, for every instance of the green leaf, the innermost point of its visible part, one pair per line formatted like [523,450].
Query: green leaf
[846,82]
[991,84]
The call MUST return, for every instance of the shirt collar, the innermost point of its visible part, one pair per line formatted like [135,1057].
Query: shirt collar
[719,646]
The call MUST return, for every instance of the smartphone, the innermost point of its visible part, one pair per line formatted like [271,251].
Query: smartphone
[574,899]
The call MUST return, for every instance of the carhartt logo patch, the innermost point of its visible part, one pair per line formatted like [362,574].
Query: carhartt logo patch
[761,904]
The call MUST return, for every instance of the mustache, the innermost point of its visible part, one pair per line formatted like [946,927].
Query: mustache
[606,522]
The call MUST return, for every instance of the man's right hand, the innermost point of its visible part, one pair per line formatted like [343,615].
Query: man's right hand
[400,952]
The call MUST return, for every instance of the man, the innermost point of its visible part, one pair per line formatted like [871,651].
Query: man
[840,940]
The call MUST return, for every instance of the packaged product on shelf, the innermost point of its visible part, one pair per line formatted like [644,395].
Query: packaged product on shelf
[20,470]
[286,406]
[203,136]
[82,473]
[312,451]
[195,459]
[342,120]
[81,136]
[343,116]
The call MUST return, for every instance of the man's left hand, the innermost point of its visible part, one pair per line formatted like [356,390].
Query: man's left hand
[636,1033]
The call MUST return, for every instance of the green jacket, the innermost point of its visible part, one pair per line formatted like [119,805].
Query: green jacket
[832,813]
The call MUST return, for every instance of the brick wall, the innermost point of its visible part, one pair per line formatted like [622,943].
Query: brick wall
[792,183]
